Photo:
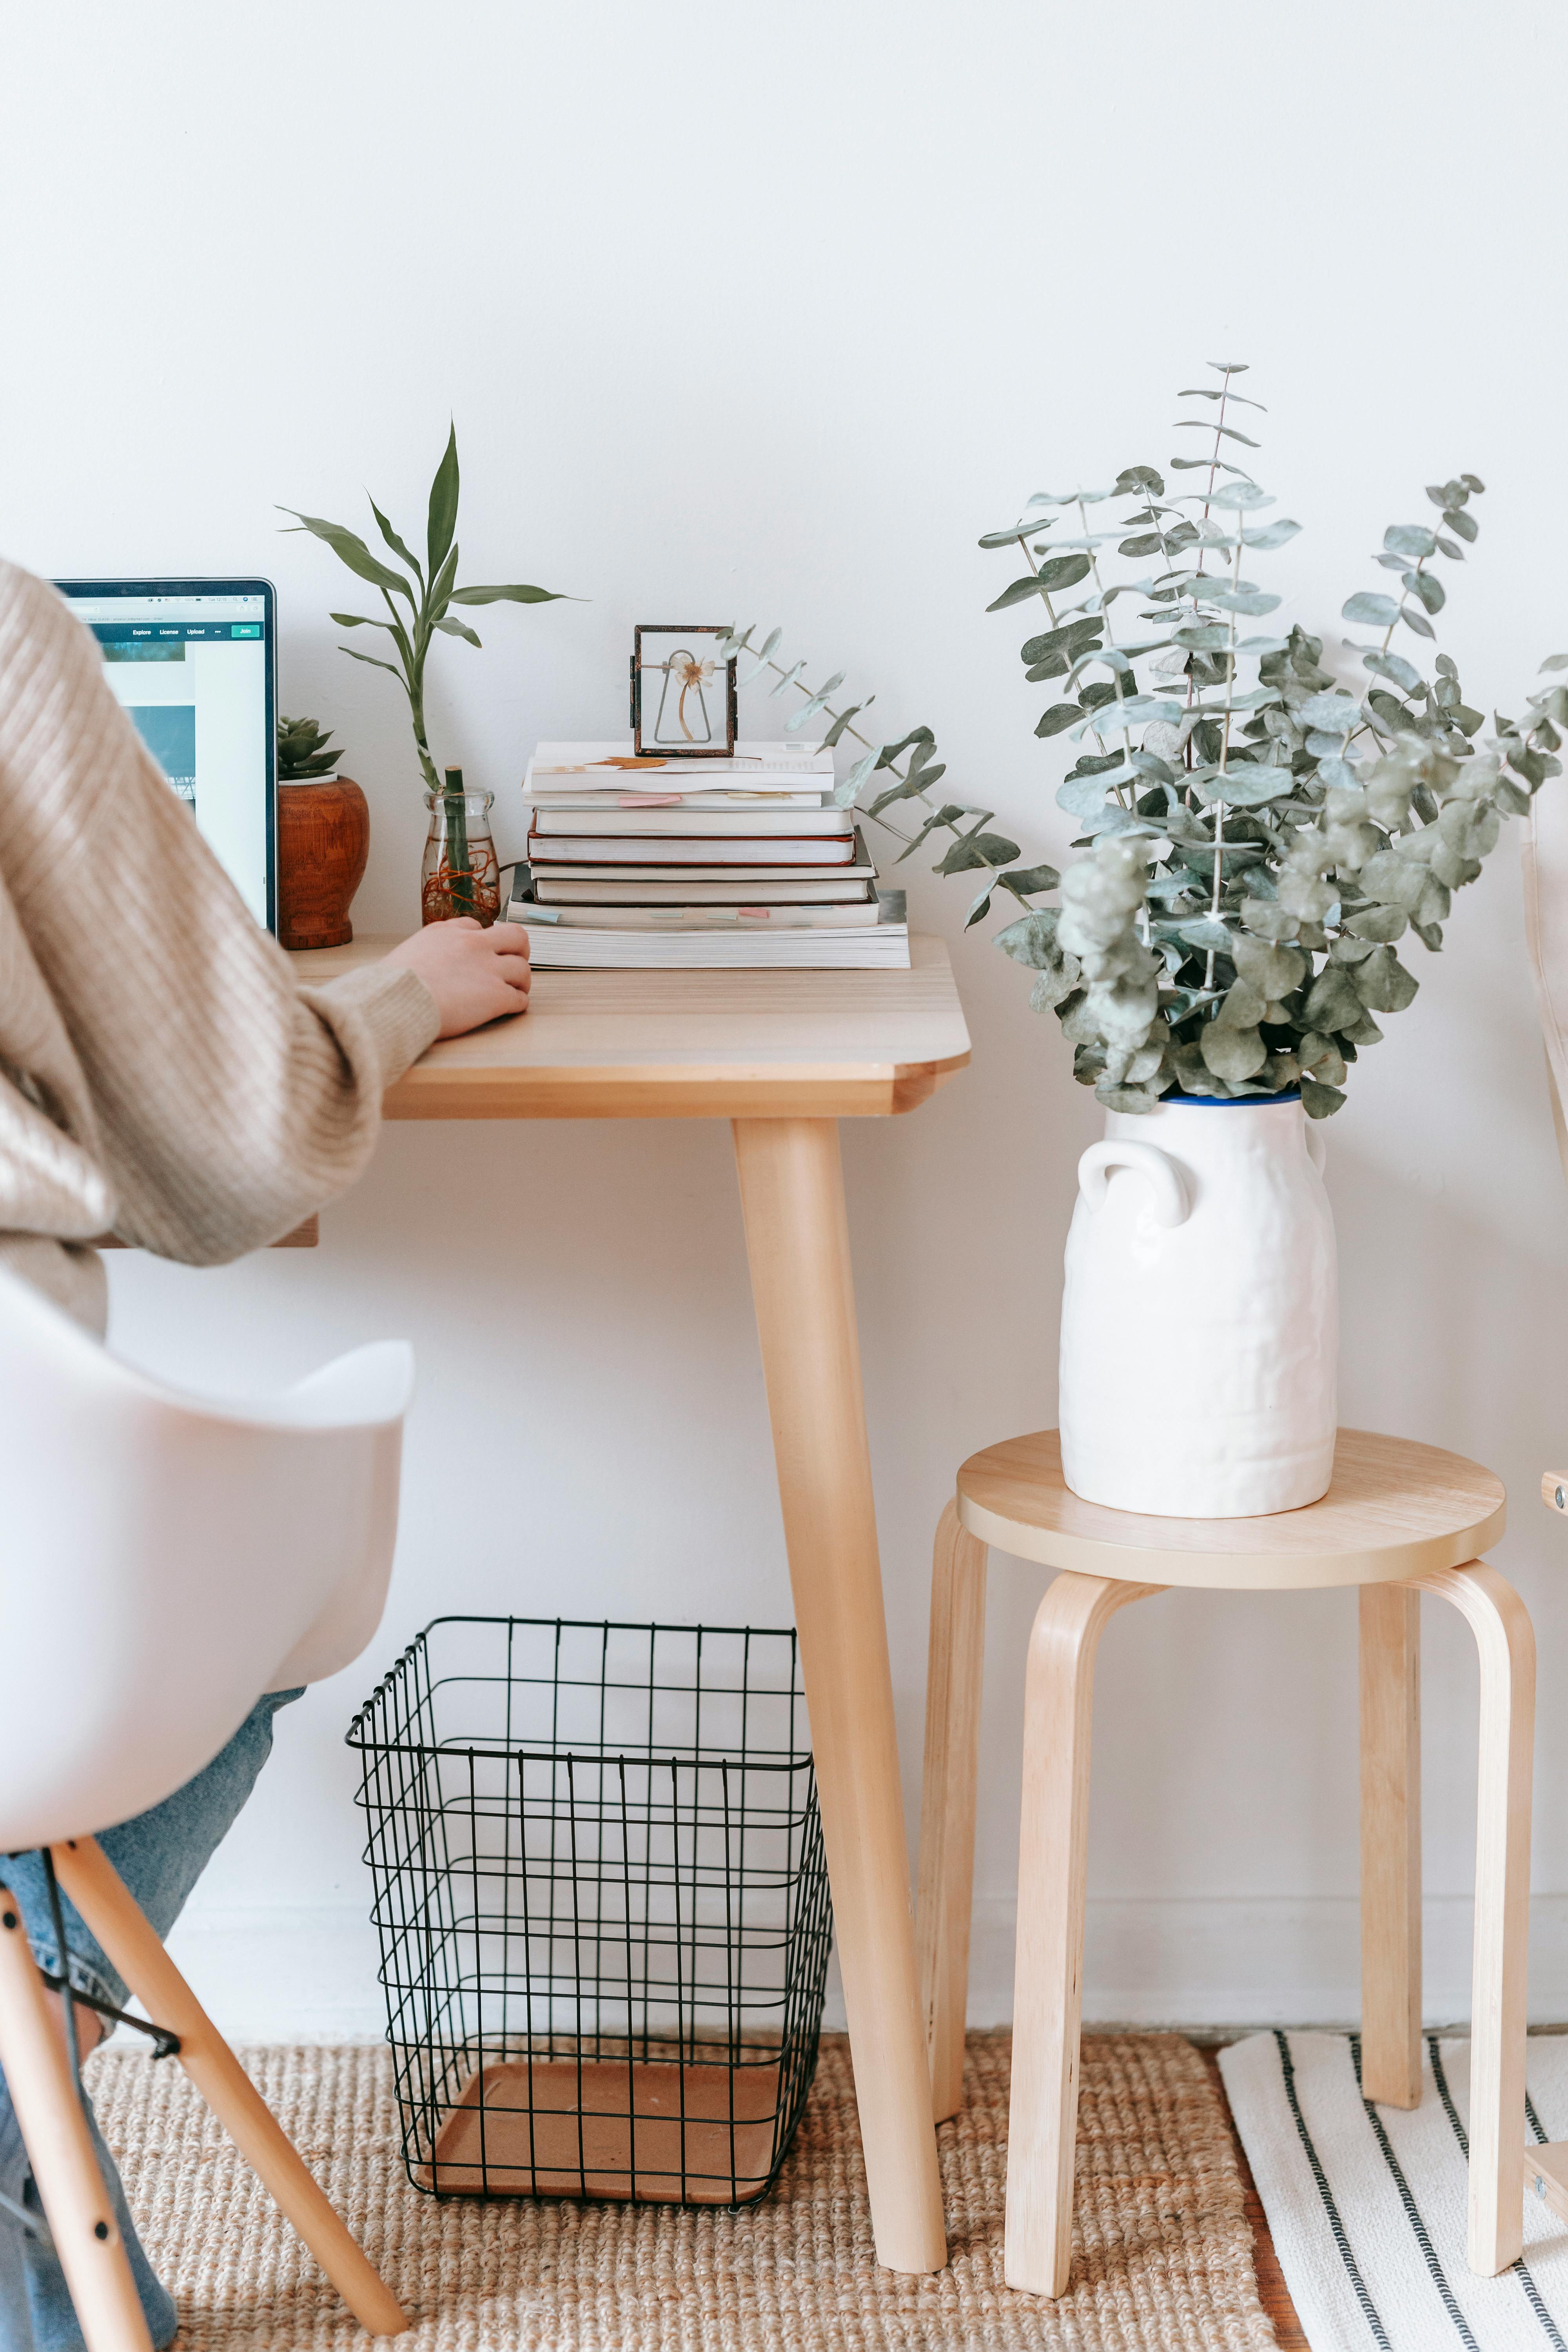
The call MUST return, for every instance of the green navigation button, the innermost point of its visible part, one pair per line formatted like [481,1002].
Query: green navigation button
[245,629]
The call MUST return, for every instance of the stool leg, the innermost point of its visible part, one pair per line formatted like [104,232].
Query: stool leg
[1047,1994]
[945,1882]
[1391,1844]
[54,2131]
[1504,1637]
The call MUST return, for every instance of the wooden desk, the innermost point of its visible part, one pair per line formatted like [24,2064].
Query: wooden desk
[783,1055]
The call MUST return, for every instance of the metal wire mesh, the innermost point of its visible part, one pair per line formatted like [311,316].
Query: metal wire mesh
[602,1905]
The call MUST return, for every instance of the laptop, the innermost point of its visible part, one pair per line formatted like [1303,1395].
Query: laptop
[195,662]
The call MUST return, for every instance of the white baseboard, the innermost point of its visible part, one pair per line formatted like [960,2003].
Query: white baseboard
[310,1974]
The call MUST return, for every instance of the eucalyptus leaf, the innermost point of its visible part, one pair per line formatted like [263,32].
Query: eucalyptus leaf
[1060,715]
[1240,498]
[1330,714]
[1379,611]
[1408,538]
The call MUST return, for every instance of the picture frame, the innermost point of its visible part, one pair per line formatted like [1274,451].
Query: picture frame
[683,692]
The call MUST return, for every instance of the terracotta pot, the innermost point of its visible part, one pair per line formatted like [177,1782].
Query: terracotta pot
[323,840]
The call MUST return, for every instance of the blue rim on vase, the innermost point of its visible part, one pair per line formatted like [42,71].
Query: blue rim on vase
[1233,1102]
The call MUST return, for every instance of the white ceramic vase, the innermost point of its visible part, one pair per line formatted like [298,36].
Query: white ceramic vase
[1200,1316]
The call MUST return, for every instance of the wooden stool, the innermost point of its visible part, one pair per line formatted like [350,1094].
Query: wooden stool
[1398,1521]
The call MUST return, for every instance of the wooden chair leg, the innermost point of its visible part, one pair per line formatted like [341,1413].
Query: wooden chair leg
[1504,1637]
[77,2206]
[1048,1998]
[101,1896]
[1391,1844]
[945,1883]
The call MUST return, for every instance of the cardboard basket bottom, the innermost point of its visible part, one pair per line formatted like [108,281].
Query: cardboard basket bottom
[670,2134]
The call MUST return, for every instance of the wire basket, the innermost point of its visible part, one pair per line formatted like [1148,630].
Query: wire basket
[602,1905]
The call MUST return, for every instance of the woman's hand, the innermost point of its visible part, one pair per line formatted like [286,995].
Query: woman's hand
[473,974]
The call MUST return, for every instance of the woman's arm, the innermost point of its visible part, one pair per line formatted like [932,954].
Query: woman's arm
[226,1102]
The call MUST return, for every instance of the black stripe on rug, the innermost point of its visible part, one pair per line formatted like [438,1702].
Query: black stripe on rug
[1412,2211]
[1369,2309]
[1532,2292]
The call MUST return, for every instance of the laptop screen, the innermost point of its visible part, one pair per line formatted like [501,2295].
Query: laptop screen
[193,664]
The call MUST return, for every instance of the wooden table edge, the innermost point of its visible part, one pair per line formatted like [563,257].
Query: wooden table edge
[668,1090]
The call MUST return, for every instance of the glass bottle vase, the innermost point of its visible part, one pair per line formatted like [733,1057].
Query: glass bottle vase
[461,874]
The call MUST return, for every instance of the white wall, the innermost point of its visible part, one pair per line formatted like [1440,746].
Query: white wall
[771,313]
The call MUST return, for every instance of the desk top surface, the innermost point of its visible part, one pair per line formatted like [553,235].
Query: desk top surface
[691,1045]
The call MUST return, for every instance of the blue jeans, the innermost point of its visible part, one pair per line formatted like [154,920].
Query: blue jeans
[159,1855]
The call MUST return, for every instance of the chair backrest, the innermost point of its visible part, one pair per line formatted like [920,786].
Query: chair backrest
[164,1561]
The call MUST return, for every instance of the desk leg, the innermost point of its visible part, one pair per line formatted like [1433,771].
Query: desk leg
[945,1879]
[797,1240]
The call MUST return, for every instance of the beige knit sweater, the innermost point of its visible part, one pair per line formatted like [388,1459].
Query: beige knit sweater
[163,1074]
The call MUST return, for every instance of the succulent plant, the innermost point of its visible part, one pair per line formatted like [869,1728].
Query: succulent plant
[304,750]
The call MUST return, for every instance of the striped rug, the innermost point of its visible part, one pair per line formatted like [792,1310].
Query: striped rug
[1366,2204]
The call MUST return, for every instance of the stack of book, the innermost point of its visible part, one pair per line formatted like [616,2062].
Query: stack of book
[672,863]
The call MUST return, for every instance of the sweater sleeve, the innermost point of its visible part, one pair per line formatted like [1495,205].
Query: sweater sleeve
[228,1101]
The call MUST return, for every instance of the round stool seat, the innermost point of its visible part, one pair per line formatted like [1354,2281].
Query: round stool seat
[1394,1509]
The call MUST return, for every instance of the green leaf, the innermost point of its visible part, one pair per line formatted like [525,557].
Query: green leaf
[842,721]
[370,658]
[1416,620]
[977,849]
[1133,479]
[1329,714]
[1240,498]
[1064,571]
[1319,1101]
[458,629]
[363,621]
[1016,592]
[1406,674]
[1231,1054]
[1059,715]
[1383,924]
[1377,612]
[1024,880]
[891,752]
[1273,971]
[979,907]
[847,790]
[1201,424]
[1408,538]
[1383,983]
[1428,587]
[1074,638]
[1273,534]
[1463,526]
[442,520]
[394,542]
[349,549]
[1010,537]
[509,595]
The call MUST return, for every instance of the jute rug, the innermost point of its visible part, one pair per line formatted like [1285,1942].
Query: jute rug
[1366,2204]
[1163,2252]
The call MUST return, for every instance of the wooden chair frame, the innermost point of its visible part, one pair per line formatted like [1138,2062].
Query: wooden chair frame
[59,2146]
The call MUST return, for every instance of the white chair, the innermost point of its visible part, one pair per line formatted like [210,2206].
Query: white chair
[167,1561]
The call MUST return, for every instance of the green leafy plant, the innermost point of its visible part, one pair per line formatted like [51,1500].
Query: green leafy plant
[1256,850]
[419,605]
[303,750]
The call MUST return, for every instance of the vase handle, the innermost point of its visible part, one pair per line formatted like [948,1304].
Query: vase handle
[1316,1145]
[1171,1205]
